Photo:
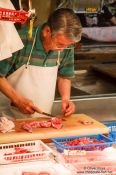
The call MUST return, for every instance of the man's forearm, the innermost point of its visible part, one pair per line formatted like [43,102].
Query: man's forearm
[8,90]
[64,87]
[23,104]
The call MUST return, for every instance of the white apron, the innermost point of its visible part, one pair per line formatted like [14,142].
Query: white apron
[35,83]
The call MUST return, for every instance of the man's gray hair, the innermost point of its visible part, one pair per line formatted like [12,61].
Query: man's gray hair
[64,20]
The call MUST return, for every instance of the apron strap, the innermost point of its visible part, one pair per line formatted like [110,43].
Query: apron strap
[34,40]
[58,60]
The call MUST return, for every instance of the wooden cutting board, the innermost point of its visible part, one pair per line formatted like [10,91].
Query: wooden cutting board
[71,127]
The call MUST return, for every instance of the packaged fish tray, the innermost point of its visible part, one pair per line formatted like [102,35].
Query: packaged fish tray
[112,129]
[24,151]
[96,168]
[87,142]
[81,156]
[91,162]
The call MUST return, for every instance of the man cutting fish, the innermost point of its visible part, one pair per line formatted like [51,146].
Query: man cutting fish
[29,78]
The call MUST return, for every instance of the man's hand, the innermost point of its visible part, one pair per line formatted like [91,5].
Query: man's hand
[26,106]
[68,107]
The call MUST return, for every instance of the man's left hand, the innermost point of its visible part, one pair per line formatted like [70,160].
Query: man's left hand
[68,107]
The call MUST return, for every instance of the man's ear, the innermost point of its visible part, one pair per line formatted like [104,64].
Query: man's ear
[46,31]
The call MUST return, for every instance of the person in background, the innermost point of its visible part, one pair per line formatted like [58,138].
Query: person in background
[29,78]
[108,15]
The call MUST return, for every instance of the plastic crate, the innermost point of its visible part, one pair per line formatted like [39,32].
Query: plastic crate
[24,151]
[112,129]
[60,143]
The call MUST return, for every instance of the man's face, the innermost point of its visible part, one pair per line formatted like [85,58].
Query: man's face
[57,41]
[60,42]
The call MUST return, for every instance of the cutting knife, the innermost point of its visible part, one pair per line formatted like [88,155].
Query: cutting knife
[47,114]
[44,113]
[50,115]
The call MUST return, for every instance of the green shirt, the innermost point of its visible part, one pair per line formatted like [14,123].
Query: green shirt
[39,57]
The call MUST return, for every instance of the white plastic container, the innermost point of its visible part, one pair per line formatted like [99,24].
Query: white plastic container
[36,167]
[24,151]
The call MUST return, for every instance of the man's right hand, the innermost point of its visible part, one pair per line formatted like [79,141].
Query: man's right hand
[26,106]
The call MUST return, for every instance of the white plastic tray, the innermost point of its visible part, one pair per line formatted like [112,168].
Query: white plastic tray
[36,166]
[15,152]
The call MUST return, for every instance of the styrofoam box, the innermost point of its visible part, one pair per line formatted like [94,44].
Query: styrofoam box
[36,166]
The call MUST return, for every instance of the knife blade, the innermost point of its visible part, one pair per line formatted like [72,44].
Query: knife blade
[47,114]
[50,115]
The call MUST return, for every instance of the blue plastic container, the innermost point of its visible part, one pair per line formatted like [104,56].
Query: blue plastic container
[112,129]
[60,143]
